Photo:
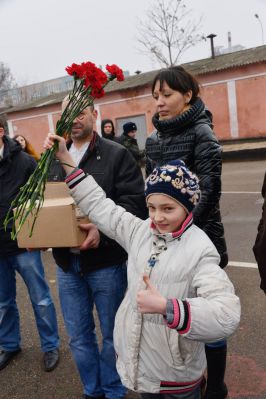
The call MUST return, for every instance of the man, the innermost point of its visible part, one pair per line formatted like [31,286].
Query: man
[96,273]
[128,140]
[15,168]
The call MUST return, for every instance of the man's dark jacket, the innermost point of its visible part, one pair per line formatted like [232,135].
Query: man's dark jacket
[15,169]
[131,145]
[115,170]
[260,243]
[190,137]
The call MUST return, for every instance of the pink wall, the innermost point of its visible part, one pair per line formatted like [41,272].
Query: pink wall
[251,107]
[130,106]
[215,97]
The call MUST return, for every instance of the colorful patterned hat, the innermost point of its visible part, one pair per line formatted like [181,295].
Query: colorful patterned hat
[176,181]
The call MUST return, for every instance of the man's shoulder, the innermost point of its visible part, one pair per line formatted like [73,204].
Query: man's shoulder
[22,156]
[111,145]
[28,159]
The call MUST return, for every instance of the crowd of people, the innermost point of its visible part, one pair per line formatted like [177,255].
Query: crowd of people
[153,258]
[16,165]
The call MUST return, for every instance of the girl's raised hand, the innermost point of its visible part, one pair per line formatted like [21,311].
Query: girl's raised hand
[62,152]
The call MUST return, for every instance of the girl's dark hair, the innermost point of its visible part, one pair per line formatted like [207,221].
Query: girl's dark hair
[104,121]
[177,79]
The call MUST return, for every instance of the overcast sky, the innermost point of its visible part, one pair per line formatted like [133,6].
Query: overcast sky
[39,38]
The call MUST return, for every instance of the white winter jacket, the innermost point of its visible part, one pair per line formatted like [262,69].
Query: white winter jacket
[148,352]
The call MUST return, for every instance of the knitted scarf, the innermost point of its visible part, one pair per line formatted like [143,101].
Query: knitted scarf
[177,124]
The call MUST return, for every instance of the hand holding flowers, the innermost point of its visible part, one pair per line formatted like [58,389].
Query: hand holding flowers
[61,153]
[89,83]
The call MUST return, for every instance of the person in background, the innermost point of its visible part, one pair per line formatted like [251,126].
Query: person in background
[27,146]
[108,130]
[178,297]
[183,130]
[96,273]
[259,247]
[128,140]
[16,166]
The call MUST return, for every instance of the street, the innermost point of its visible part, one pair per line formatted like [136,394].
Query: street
[246,372]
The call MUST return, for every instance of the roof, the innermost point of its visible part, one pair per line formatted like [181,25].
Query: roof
[200,67]
[228,61]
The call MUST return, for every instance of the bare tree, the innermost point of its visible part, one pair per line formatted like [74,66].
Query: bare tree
[168,31]
[6,78]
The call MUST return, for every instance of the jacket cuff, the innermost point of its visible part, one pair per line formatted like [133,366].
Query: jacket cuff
[75,177]
[178,315]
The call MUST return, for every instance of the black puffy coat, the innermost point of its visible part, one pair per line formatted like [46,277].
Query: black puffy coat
[190,137]
[15,169]
[115,170]
[259,248]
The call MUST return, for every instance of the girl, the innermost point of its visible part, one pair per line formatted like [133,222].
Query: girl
[178,297]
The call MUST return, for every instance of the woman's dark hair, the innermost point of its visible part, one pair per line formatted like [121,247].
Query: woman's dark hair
[104,122]
[177,79]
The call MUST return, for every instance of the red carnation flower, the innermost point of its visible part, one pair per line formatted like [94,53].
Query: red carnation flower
[75,70]
[115,72]
[94,76]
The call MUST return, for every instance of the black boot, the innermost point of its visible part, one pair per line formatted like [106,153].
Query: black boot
[216,365]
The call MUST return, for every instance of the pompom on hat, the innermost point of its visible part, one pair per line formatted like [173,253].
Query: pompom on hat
[176,181]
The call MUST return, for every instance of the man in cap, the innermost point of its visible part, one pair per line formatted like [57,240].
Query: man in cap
[128,140]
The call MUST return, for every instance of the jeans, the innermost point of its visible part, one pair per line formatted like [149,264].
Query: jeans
[187,395]
[30,267]
[78,293]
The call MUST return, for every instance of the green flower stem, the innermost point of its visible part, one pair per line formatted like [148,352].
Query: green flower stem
[31,196]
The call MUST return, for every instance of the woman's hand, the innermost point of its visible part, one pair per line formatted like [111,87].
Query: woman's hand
[62,152]
[150,300]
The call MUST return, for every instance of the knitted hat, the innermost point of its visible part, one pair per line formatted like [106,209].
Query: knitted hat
[176,181]
[129,127]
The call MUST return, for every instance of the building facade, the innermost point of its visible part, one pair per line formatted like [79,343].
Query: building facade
[233,87]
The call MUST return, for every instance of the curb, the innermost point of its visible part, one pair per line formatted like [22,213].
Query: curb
[253,154]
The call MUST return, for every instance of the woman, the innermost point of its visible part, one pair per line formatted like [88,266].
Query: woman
[26,146]
[108,130]
[184,131]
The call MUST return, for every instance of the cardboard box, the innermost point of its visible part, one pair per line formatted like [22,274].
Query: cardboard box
[57,222]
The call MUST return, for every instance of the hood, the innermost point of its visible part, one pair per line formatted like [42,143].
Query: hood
[112,134]
[11,147]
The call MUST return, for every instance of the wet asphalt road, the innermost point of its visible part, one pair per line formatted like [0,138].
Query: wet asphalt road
[246,371]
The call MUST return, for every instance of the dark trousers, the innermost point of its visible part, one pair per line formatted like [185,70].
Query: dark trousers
[187,395]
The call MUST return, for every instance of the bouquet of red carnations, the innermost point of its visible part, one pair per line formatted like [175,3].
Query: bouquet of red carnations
[89,83]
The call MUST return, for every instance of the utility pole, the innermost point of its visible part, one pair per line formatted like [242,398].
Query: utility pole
[261,26]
